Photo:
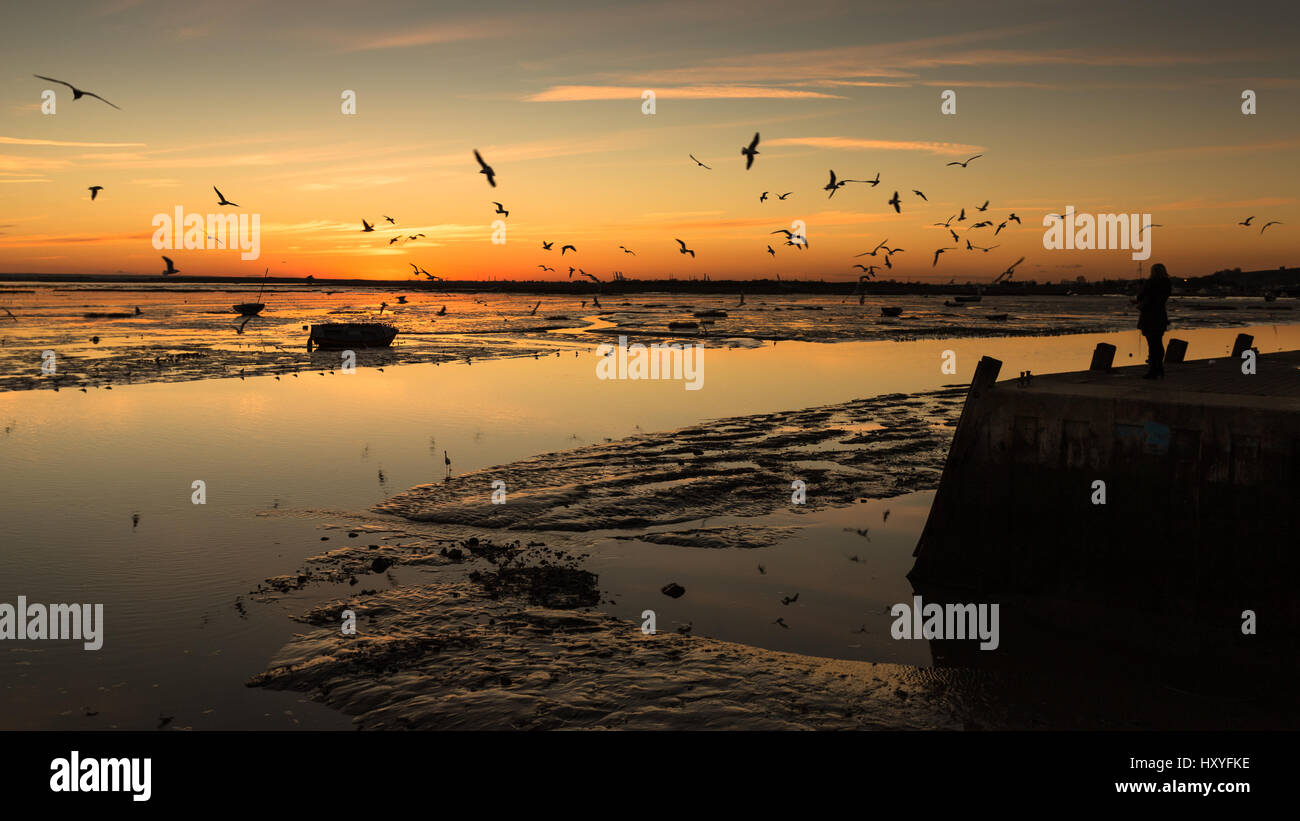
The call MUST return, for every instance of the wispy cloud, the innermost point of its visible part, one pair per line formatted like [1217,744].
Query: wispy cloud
[716,92]
[29,141]
[858,144]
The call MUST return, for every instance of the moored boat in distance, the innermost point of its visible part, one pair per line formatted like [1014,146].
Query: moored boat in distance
[249,308]
[890,310]
[342,335]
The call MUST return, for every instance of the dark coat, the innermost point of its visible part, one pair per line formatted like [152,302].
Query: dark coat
[1152,295]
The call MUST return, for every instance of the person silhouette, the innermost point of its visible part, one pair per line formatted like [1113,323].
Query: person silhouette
[1153,293]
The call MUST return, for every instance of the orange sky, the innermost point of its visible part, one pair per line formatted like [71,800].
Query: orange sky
[1109,108]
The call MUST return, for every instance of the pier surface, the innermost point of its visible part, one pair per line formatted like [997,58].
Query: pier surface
[1104,493]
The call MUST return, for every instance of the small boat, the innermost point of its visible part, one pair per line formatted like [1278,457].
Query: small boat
[890,310]
[998,317]
[401,300]
[712,314]
[341,335]
[253,308]
[683,326]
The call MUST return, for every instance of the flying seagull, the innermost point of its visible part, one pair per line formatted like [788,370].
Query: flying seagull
[983,207]
[1267,224]
[1001,225]
[874,182]
[544,268]
[221,198]
[964,164]
[564,248]
[834,186]
[486,170]
[873,251]
[750,152]
[390,219]
[1247,222]
[627,250]
[783,196]
[1013,218]
[546,246]
[919,194]
[77,93]
[684,249]
[763,197]
[367,227]
[894,202]
[770,251]
[94,191]
[500,210]
[1011,269]
[700,164]
[171,268]
[936,257]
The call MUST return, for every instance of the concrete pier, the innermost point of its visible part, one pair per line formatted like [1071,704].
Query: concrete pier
[1107,499]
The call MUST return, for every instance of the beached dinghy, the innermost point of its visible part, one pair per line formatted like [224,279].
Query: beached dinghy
[889,310]
[253,308]
[345,335]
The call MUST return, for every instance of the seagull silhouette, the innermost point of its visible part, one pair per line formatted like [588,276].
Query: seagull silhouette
[762,197]
[171,268]
[894,202]
[700,164]
[1267,224]
[627,250]
[770,251]
[983,207]
[544,268]
[1001,225]
[546,246]
[1011,269]
[564,248]
[962,218]
[919,194]
[936,257]
[1247,222]
[390,219]
[394,239]
[946,223]
[964,164]
[684,249]
[783,196]
[486,170]
[875,182]
[367,227]
[873,251]
[1013,218]
[221,198]
[94,191]
[77,93]
[834,186]
[500,210]
[750,152]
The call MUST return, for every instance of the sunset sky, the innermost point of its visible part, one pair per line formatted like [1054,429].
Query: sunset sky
[1110,107]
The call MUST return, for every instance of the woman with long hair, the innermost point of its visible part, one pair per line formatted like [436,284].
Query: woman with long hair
[1153,320]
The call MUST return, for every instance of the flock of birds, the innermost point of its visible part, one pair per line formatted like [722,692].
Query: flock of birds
[749,152]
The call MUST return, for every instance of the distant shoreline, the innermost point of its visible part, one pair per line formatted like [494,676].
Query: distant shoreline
[1215,285]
